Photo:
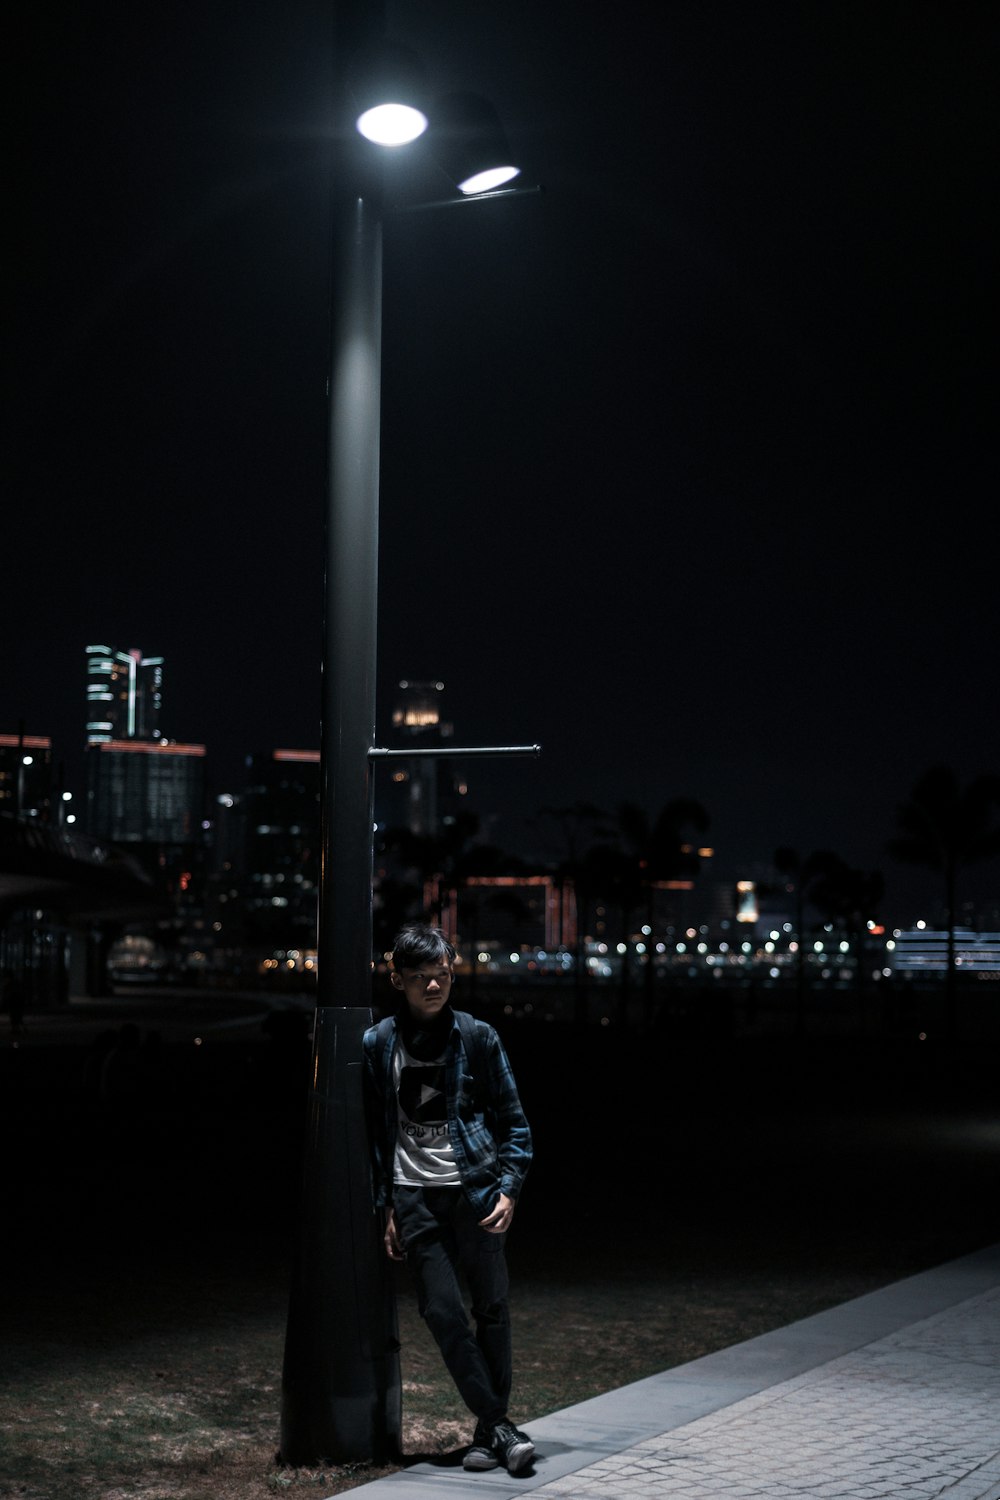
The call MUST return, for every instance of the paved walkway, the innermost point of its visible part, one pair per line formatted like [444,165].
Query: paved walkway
[894,1396]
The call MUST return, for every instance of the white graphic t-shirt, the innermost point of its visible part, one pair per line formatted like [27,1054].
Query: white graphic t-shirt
[424,1152]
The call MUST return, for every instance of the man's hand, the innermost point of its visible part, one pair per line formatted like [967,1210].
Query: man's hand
[499,1218]
[392,1242]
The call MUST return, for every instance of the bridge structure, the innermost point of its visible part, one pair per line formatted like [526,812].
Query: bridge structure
[63,895]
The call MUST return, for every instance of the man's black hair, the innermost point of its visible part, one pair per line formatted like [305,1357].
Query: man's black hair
[418,943]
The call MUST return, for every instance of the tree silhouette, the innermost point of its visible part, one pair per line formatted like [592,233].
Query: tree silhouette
[659,850]
[851,899]
[944,827]
[803,874]
[608,872]
[582,827]
[433,858]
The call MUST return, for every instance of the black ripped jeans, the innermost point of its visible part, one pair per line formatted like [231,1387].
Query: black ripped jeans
[443,1243]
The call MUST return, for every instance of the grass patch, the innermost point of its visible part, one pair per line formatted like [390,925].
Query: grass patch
[193,1412]
[146,1302]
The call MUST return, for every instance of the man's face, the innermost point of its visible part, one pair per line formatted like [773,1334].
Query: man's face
[426,988]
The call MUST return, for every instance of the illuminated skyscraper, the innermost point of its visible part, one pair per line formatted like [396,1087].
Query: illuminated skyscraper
[145,791]
[141,787]
[124,695]
[423,792]
[416,720]
[281,809]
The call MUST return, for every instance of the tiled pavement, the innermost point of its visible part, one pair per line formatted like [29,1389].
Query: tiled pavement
[893,1396]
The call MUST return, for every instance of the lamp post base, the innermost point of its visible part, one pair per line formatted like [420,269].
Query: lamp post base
[341,1398]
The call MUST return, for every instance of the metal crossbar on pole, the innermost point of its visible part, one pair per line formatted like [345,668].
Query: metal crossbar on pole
[453,750]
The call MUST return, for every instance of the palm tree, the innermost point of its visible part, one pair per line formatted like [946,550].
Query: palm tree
[660,849]
[851,899]
[433,860]
[803,875]
[583,827]
[943,827]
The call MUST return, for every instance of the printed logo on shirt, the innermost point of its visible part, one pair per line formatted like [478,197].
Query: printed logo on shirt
[421,1095]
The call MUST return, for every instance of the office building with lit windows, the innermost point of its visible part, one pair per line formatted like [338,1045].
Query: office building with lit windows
[141,787]
[145,791]
[124,695]
[426,791]
[281,848]
[26,776]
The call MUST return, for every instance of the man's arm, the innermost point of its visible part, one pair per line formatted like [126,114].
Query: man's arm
[511,1130]
[374,1103]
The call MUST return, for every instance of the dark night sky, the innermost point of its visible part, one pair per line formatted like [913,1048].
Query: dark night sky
[685,470]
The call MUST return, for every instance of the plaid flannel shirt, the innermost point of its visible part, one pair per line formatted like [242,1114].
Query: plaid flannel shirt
[486,1124]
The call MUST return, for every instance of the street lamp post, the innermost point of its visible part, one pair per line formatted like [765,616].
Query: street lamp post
[340,1379]
[341,1396]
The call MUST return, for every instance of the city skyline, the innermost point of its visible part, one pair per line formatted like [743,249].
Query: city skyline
[128,799]
[683,460]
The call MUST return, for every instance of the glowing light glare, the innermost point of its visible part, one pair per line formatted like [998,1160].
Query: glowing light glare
[392,124]
[485,182]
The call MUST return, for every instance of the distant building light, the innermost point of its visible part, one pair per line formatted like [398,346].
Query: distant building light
[747,909]
[152,747]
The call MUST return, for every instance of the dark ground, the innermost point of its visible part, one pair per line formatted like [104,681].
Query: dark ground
[689,1192]
[804,1158]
